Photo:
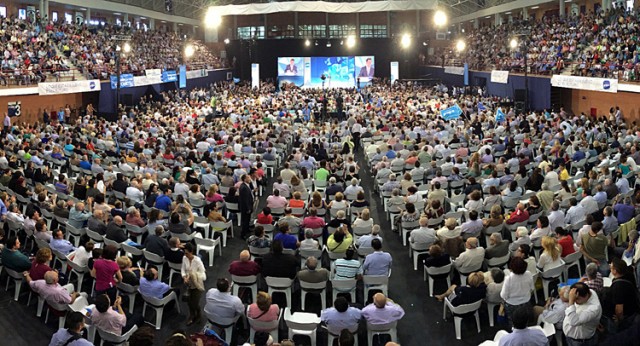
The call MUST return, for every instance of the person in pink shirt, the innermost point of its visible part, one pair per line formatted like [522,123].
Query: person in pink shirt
[312,221]
[107,272]
[50,290]
[262,310]
[276,201]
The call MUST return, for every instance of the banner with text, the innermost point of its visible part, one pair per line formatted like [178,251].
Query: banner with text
[499,76]
[255,75]
[454,70]
[585,83]
[126,81]
[169,76]
[394,71]
[80,86]
[197,74]
[153,72]
[183,76]
[451,113]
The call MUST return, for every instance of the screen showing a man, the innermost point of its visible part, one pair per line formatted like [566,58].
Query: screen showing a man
[291,68]
[367,70]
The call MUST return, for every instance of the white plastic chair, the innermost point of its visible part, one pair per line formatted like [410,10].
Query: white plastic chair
[549,275]
[174,268]
[382,329]
[431,272]
[250,282]
[226,228]
[311,288]
[417,249]
[343,286]
[159,305]
[130,291]
[17,278]
[114,339]
[271,327]
[302,323]
[459,311]
[491,307]
[497,262]
[155,260]
[570,261]
[282,285]
[375,282]
[79,271]
[407,227]
[209,246]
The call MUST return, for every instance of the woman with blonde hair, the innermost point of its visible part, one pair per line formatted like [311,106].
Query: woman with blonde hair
[263,310]
[475,290]
[495,217]
[339,202]
[297,185]
[364,220]
[317,201]
[213,196]
[296,202]
[550,257]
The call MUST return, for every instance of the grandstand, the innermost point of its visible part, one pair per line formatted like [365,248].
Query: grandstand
[453,172]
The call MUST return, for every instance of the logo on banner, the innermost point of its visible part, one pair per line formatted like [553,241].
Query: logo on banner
[92,85]
[606,85]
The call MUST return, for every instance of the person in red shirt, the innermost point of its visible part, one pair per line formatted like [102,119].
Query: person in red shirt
[518,215]
[40,265]
[565,241]
[265,217]
[244,266]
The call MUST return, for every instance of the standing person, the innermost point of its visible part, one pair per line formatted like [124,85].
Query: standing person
[107,273]
[194,275]
[517,287]
[246,205]
[7,124]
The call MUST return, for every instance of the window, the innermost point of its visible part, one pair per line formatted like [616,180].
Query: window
[312,31]
[118,21]
[281,31]
[3,12]
[249,32]
[341,31]
[54,16]
[373,31]
[22,13]
[68,17]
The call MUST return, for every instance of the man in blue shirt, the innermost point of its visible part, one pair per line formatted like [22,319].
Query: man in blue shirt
[341,316]
[288,240]
[152,287]
[577,154]
[71,336]
[521,335]
[60,244]
[163,201]
[378,262]
[390,153]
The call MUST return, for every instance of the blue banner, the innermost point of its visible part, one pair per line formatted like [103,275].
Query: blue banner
[500,117]
[126,81]
[183,77]
[169,76]
[481,107]
[451,113]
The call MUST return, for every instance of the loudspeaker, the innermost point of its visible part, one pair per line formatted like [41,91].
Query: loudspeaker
[519,107]
[519,95]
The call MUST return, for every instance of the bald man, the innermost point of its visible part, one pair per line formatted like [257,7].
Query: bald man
[244,266]
[96,222]
[50,289]
[311,273]
[116,230]
[472,258]
[382,311]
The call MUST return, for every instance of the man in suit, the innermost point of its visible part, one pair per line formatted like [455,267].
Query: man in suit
[497,246]
[367,70]
[291,68]
[245,204]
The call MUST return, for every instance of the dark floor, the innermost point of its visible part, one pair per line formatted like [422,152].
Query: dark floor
[422,324]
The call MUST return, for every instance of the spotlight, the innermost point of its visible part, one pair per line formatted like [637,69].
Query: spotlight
[307,43]
[212,19]
[189,50]
[226,41]
[328,44]
[351,41]
[460,45]
[341,42]
[513,43]
[440,18]
[126,47]
[405,41]
[316,43]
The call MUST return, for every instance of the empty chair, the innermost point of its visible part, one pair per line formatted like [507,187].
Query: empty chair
[282,285]
[550,275]
[459,312]
[125,289]
[95,236]
[302,323]
[436,272]
[136,231]
[407,227]
[114,339]
[310,288]
[209,246]
[76,233]
[79,271]
[159,305]
[497,262]
[250,282]
[17,279]
[343,286]
[570,261]
[382,329]
[226,228]
[375,282]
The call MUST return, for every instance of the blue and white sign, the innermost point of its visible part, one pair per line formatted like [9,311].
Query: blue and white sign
[80,86]
[395,74]
[500,117]
[481,107]
[255,75]
[169,76]
[451,113]
[183,76]
[585,83]
[126,81]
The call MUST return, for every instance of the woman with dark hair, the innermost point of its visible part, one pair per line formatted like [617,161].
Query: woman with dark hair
[232,196]
[534,206]
[152,195]
[517,287]
[194,276]
[534,183]
[80,189]
[107,272]
[40,264]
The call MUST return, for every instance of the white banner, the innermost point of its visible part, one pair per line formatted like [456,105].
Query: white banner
[394,71]
[153,72]
[197,74]
[499,76]
[147,80]
[255,75]
[323,6]
[454,70]
[79,86]
[585,83]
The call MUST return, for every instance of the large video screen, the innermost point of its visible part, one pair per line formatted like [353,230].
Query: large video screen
[339,71]
[290,66]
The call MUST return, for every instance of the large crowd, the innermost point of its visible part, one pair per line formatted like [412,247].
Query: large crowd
[38,51]
[602,44]
[155,194]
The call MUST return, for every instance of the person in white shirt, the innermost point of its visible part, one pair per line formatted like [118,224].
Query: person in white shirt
[550,257]
[551,178]
[582,316]
[134,194]
[353,189]
[556,216]
[589,203]
[82,254]
[517,287]
[542,230]
[575,214]
[309,243]
[472,258]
